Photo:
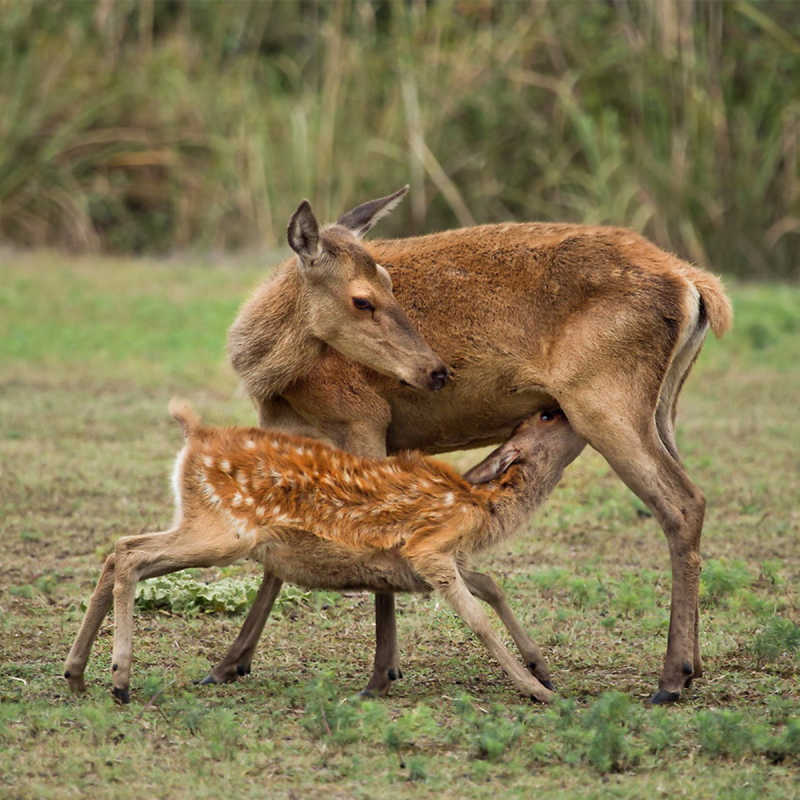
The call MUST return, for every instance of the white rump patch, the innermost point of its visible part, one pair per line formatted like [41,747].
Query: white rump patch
[177,475]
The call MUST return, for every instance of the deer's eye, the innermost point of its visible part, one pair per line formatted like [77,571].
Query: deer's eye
[362,304]
[548,416]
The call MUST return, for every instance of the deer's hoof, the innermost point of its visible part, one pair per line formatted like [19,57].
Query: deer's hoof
[662,697]
[243,669]
[208,680]
[122,695]
[548,684]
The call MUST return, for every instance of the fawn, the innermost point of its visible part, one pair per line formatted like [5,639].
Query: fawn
[324,518]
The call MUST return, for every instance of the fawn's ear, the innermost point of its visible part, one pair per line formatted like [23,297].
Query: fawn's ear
[494,465]
[303,234]
[363,217]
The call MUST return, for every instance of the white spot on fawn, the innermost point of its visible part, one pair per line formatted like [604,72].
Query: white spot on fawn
[225,465]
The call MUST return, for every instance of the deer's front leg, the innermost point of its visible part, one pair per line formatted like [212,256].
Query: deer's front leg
[386,668]
[355,418]
[441,572]
[239,657]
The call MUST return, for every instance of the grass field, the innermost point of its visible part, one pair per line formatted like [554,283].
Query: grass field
[91,351]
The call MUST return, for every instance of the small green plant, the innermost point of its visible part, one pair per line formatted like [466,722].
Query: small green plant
[403,732]
[183,594]
[719,580]
[492,732]
[338,720]
[633,595]
[599,736]
[26,591]
[777,638]
[724,734]
[786,746]
[417,767]
[223,733]
[663,731]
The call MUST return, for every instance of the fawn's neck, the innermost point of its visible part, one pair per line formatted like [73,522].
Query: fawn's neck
[519,492]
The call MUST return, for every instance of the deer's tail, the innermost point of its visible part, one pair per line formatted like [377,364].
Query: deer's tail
[718,308]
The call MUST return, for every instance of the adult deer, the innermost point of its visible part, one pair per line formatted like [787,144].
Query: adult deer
[528,316]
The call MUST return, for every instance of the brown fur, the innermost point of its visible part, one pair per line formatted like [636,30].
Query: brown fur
[324,518]
[527,315]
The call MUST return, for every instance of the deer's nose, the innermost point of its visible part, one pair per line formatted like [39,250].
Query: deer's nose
[439,378]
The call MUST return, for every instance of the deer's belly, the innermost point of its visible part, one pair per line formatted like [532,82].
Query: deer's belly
[479,408]
[314,563]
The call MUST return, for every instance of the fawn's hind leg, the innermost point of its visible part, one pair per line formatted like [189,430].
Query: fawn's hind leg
[99,605]
[139,557]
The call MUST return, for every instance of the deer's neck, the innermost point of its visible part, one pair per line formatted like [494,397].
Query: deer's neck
[270,343]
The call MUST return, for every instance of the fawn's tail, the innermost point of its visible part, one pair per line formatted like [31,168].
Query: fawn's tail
[186,415]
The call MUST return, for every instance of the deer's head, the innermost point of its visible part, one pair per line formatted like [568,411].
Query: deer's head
[350,300]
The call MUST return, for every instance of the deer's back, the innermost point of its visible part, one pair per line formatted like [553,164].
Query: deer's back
[517,310]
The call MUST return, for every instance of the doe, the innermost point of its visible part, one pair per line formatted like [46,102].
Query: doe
[323,518]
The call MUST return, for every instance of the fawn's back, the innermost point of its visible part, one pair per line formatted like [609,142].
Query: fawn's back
[318,516]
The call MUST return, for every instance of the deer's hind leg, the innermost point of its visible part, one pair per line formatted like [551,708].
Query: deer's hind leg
[386,667]
[485,588]
[625,433]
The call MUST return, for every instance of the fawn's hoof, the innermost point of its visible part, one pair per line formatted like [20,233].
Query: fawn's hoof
[545,698]
[662,697]
[75,682]
[122,695]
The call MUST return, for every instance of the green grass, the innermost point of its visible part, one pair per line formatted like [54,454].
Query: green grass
[146,126]
[91,351]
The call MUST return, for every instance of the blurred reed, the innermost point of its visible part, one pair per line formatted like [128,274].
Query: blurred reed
[153,126]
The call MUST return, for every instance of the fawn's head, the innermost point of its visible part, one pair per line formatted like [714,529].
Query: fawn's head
[350,298]
[545,437]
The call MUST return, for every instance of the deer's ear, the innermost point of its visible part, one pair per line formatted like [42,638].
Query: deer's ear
[363,217]
[493,466]
[303,234]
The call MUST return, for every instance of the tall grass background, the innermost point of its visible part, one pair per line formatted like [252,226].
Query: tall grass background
[153,126]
